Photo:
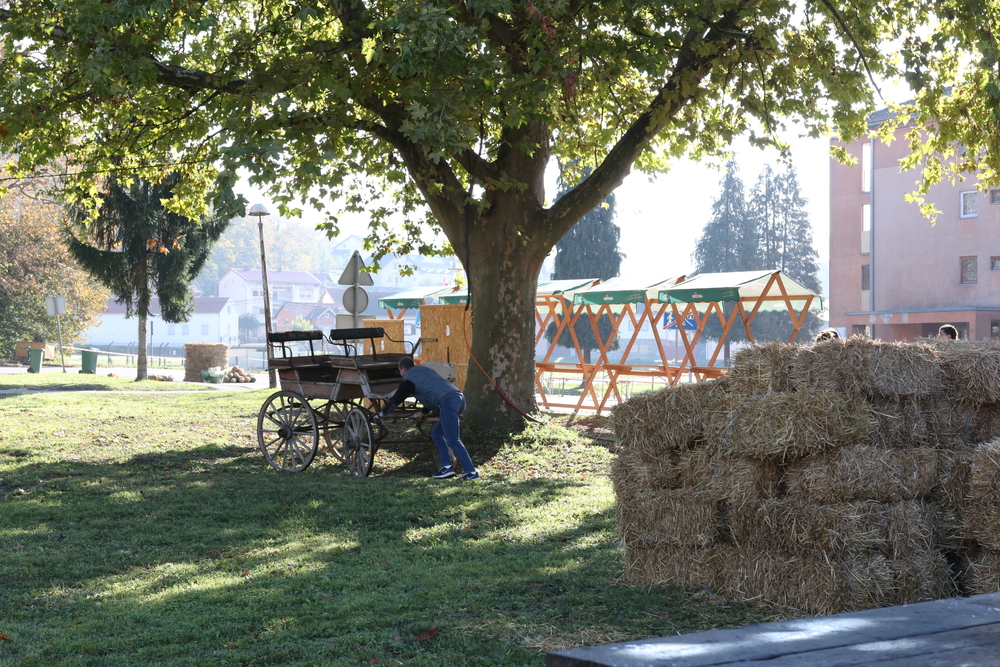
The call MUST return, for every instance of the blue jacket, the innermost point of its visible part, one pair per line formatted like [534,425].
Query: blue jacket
[426,385]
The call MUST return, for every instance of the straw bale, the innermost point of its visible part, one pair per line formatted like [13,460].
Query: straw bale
[789,426]
[984,477]
[879,368]
[202,356]
[763,369]
[914,421]
[973,422]
[814,585]
[863,472]
[983,574]
[680,517]
[973,367]
[923,577]
[817,367]
[910,525]
[742,480]
[635,468]
[792,528]
[671,418]
[950,495]
[659,565]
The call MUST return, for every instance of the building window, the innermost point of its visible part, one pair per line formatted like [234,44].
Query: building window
[866,277]
[170,329]
[994,263]
[229,310]
[185,329]
[279,294]
[995,329]
[258,292]
[970,270]
[204,329]
[970,204]
[866,229]
[305,293]
[866,167]
[260,310]
[995,196]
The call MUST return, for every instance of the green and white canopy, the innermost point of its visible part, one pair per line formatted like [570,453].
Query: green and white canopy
[617,291]
[746,286]
[454,297]
[413,297]
[554,287]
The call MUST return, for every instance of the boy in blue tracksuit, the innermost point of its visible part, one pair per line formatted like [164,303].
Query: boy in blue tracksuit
[436,395]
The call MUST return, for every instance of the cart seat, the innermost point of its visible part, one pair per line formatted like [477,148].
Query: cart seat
[293,336]
[356,334]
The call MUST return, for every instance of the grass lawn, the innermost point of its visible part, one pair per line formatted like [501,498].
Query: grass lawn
[141,528]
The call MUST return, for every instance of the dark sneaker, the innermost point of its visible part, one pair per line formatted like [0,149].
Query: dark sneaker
[445,473]
[469,476]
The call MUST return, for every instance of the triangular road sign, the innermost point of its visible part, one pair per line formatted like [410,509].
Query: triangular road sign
[354,273]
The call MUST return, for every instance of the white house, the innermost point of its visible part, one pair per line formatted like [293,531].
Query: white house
[246,289]
[214,320]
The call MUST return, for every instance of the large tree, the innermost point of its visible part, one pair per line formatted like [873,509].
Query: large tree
[459,105]
[588,250]
[138,249]
[34,264]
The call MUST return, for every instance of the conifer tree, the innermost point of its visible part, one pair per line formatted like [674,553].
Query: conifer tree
[729,242]
[785,243]
[588,250]
[138,248]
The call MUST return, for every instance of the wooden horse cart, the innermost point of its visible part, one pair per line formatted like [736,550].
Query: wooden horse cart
[328,396]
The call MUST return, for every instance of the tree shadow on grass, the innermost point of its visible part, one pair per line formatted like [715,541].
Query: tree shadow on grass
[135,564]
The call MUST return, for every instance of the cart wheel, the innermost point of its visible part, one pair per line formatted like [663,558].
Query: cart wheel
[287,432]
[359,442]
[334,416]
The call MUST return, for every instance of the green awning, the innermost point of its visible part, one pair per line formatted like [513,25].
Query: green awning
[553,287]
[741,286]
[454,298]
[621,291]
[413,297]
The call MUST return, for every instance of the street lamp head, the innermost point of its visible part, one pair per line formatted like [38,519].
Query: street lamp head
[259,210]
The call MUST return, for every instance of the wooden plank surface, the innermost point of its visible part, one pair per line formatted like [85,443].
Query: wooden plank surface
[892,636]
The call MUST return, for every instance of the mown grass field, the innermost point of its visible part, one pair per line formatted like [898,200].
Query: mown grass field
[144,528]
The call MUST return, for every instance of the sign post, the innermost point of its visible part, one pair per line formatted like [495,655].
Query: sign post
[56,305]
[355,297]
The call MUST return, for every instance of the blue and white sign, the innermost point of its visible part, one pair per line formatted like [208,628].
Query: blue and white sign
[669,322]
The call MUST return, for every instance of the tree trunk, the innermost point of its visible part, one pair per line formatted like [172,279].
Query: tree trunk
[503,270]
[141,370]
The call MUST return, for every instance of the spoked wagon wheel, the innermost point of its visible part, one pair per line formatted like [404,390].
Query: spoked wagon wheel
[359,442]
[287,432]
[334,416]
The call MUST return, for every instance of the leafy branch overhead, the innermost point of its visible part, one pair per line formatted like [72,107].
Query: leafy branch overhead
[455,108]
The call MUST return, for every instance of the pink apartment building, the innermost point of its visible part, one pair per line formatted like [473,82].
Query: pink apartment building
[893,275]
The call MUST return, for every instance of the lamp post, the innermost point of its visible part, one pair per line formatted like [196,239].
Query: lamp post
[259,211]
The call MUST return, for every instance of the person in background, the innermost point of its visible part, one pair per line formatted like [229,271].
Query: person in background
[827,334]
[442,397]
[948,331]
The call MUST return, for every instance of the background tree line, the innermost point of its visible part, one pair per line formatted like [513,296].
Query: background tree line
[770,229]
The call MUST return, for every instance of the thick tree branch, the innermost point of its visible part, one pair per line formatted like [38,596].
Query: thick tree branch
[435,179]
[691,60]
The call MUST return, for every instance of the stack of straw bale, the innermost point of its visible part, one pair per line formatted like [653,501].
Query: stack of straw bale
[831,477]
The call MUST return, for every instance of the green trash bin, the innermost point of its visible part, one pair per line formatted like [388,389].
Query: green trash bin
[35,359]
[89,362]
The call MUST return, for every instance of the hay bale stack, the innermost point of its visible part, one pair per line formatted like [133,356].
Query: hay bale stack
[763,369]
[832,477]
[199,357]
